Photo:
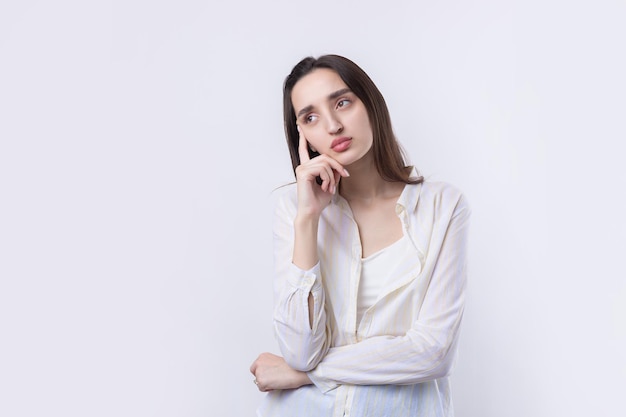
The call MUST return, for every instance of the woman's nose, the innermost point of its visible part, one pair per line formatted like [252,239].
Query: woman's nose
[334,125]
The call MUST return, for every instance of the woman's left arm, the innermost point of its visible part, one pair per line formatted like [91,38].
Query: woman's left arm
[428,349]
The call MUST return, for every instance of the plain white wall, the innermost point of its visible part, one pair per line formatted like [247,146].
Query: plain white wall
[141,142]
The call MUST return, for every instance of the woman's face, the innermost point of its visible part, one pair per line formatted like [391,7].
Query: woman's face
[332,118]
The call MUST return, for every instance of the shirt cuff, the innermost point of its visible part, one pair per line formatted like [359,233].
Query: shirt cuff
[325,385]
[306,280]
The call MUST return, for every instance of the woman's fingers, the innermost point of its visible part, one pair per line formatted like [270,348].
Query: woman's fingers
[326,174]
[338,167]
[333,164]
[322,166]
[303,152]
[317,168]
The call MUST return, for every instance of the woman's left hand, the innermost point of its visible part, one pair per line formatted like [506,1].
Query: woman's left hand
[272,372]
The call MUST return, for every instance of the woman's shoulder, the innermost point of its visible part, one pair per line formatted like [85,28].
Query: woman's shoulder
[440,187]
[429,188]
[441,192]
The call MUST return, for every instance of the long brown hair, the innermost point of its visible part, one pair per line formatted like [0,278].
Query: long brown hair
[389,157]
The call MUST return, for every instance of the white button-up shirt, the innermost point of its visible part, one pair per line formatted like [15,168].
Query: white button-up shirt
[396,360]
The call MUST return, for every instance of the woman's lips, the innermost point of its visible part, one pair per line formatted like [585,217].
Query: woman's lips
[341,144]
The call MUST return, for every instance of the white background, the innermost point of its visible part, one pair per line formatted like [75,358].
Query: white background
[141,142]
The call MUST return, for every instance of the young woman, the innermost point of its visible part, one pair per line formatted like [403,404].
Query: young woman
[370,261]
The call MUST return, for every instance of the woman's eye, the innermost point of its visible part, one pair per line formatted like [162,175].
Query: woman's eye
[343,102]
[310,118]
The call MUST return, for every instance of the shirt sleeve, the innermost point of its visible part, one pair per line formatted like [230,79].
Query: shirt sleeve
[427,351]
[301,343]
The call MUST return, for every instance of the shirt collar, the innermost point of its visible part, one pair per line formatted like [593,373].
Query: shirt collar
[407,200]
[410,194]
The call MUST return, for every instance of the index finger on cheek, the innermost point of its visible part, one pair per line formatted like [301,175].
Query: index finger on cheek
[303,152]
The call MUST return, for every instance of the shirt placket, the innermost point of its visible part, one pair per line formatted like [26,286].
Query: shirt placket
[350,325]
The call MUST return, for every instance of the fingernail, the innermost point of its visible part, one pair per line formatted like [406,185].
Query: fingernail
[298,126]
[345,171]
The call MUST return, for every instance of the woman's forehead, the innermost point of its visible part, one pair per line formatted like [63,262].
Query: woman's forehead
[316,87]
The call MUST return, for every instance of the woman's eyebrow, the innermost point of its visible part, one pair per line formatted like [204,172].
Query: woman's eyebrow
[338,93]
[331,96]
[304,111]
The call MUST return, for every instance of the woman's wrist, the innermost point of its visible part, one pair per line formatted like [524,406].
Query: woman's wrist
[306,216]
[304,379]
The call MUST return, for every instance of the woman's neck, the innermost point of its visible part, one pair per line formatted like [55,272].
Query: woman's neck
[365,183]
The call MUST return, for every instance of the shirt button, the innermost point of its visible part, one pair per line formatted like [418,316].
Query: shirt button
[399,208]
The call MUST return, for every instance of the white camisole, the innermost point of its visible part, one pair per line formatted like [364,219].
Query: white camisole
[374,270]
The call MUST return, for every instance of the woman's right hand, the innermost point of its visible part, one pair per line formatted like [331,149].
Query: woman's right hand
[313,198]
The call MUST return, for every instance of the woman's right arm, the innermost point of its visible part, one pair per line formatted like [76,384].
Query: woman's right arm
[299,315]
